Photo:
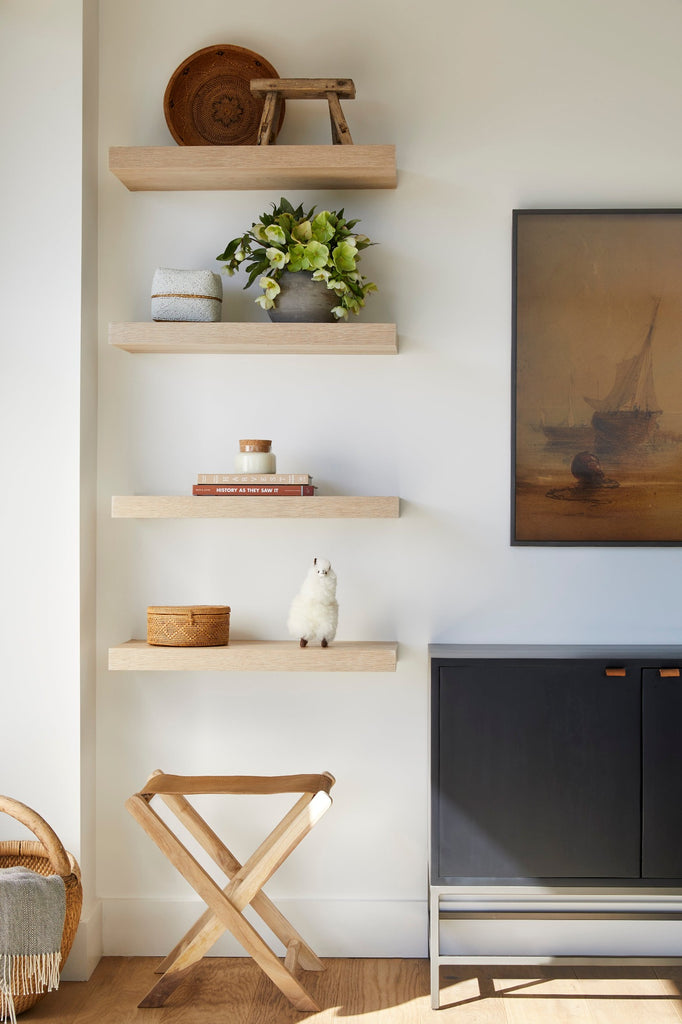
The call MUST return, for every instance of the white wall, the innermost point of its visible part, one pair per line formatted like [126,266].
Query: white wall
[492,106]
[47,688]
[88,948]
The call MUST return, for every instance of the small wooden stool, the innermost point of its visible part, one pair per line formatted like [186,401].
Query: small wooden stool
[225,906]
[274,90]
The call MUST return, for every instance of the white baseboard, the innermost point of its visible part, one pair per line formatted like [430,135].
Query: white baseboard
[86,951]
[357,928]
[335,928]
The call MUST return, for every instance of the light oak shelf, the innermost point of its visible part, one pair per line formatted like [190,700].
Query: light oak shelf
[193,168]
[255,338]
[256,656]
[187,506]
[196,168]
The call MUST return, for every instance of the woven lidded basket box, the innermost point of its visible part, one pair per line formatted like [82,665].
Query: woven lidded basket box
[188,625]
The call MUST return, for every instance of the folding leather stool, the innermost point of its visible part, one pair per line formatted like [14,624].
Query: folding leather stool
[225,906]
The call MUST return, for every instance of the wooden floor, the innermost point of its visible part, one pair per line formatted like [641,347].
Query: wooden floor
[235,991]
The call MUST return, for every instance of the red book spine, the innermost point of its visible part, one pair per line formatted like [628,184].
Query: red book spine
[242,490]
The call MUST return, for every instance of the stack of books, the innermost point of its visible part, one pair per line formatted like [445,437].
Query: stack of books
[241,485]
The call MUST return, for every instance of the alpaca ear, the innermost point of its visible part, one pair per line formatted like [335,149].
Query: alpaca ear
[314,561]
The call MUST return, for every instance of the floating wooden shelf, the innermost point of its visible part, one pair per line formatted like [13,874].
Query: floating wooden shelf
[256,338]
[168,168]
[187,506]
[256,656]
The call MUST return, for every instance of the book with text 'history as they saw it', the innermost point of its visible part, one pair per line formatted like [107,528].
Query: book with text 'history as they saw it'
[243,490]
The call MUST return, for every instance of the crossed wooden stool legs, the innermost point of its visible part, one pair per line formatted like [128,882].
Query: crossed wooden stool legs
[225,906]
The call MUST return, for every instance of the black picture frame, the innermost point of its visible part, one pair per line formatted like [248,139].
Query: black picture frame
[596,377]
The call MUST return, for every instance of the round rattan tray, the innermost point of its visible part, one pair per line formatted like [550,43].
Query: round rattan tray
[208,100]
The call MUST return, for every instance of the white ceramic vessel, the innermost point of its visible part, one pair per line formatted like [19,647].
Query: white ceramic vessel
[190,295]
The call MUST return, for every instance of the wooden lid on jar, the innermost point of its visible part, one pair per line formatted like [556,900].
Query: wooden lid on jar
[252,445]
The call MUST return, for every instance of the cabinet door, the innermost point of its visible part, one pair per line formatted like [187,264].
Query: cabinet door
[661,775]
[538,772]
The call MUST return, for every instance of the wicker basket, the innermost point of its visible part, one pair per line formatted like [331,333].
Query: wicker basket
[198,625]
[47,856]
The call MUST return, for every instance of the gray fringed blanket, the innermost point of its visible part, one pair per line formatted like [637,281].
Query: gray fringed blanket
[32,911]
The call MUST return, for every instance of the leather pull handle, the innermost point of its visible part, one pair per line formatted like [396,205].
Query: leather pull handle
[668,673]
[615,671]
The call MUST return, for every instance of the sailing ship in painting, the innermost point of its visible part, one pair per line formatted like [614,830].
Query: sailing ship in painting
[568,434]
[627,418]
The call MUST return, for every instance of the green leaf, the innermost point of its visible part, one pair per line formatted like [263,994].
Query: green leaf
[232,247]
[258,268]
[287,222]
[230,250]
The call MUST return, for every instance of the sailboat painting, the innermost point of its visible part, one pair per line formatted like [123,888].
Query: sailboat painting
[597,377]
[627,418]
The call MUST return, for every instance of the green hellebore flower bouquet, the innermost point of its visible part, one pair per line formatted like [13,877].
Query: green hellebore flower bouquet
[291,240]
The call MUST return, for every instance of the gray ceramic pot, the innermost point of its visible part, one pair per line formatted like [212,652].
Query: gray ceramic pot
[302,300]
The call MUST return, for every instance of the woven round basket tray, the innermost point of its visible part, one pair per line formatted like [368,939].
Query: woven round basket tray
[191,625]
[208,100]
[46,857]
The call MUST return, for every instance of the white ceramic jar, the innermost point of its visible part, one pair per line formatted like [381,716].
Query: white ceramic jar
[254,456]
[189,295]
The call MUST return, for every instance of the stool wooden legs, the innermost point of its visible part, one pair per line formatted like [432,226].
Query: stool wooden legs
[225,906]
[275,90]
[340,131]
[269,119]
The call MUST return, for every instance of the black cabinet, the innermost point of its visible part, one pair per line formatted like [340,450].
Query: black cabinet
[661,774]
[561,764]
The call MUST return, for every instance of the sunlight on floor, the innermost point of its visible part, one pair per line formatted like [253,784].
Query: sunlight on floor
[531,995]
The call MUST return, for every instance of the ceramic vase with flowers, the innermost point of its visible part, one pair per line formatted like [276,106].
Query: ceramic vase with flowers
[306,263]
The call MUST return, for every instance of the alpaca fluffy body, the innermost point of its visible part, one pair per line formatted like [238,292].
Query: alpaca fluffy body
[314,611]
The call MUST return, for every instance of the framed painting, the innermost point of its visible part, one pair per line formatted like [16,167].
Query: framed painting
[597,377]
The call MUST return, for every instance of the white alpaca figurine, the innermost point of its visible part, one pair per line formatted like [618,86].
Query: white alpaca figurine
[314,611]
